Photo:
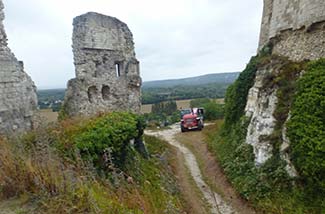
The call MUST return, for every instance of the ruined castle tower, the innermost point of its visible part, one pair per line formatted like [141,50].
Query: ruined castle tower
[18,99]
[295,27]
[107,72]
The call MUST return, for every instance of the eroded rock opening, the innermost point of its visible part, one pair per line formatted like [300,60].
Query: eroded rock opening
[92,94]
[105,93]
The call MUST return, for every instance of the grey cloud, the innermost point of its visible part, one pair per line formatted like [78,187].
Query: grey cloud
[182,39]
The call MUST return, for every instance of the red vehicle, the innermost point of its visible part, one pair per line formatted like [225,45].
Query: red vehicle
[192,119]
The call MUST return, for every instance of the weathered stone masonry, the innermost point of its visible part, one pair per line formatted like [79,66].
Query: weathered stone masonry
[107,72]
[296,28]
[18,99]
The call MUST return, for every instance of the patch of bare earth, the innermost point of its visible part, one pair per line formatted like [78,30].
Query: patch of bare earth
[192,198]
[212,198]
[212,171]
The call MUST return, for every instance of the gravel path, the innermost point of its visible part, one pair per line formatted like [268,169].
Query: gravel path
[217,204]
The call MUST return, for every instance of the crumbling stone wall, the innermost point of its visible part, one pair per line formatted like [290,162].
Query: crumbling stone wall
[295,27]
[18,99]
[107,71]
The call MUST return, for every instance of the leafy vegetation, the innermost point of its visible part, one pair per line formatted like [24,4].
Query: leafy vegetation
[212,109]
[76,166]
[236,95]
[237,158]
[306,128]
[113,132]
[163,114]
[268,186]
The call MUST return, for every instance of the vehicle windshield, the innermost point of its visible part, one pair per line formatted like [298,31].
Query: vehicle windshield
[185,111]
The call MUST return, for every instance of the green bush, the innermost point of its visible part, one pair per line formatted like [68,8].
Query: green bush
[236,95]
[113,131]
[163,113]
[213,111]
[306,128]
[46,170]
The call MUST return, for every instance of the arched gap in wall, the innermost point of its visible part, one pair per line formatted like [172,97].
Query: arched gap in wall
[92,93]
[105,92]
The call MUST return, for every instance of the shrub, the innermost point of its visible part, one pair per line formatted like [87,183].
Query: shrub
[269,185]
[45,167]
[306,128]
[236,95]
[213,111]
[112,131]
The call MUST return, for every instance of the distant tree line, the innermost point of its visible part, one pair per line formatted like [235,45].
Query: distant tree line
[157,95]
[50,99]
[212,110]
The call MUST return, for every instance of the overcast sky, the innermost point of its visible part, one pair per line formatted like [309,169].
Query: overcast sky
[173,38]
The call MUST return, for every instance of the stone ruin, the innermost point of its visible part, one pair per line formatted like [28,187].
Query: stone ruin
[107,71]
[18,99]
[296,28]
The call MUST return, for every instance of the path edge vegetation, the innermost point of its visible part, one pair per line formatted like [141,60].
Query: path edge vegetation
[301,93]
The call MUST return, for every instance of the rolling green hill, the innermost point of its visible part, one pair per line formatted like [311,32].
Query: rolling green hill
[221,78]
[212,86]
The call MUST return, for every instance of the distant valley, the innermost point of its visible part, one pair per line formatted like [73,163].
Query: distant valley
[205,86]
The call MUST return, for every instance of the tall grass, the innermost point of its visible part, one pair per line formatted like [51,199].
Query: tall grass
[45,166]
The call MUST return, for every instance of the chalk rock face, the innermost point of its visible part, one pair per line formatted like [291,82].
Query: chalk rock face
[107,71]
[260,106]
[18,99]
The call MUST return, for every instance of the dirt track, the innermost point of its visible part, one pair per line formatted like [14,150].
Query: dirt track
[215,201]
[205,171]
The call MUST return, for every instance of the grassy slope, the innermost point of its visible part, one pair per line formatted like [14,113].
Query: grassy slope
[35,174]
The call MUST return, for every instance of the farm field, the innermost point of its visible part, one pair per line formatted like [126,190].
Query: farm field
[48,115]
[51,116]
[180,104]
